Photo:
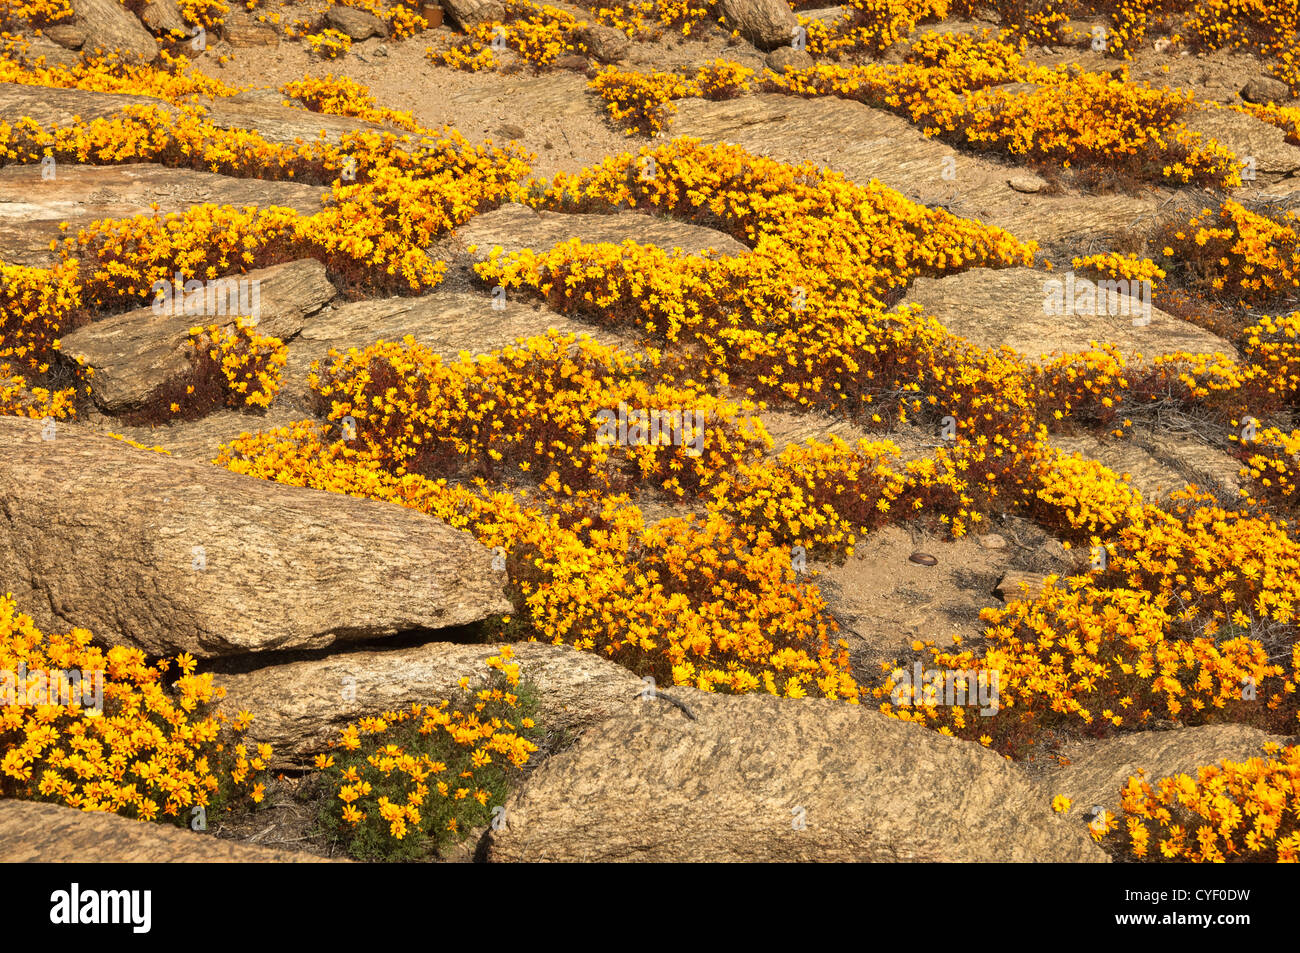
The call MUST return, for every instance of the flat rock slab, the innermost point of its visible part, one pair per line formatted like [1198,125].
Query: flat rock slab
[1248,137]
[48,105]
[1147,474]
[1006,307]
[138,355]
[788,428]
[446,321]
[515,227]
[739,782]
[883,601]
[300,706]
[1099,769]
[32,832]
[285,124]
[32,207]
[864,143]
[1208,467]
[274,122]
[169,555]
[197,440]
[554,96]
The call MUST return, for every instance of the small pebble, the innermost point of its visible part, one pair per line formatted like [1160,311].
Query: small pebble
[993,541]
[924,559]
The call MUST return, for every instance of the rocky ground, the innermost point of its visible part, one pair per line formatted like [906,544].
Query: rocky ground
[318,592]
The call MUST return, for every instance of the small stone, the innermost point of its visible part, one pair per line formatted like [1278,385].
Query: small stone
[1024,586]
[572,61]
[1161,44]
[1025,183]
[785,59]
[923,559]
[993,541]
[1265,89]
[67,35]
[243,34]
[511,131]
[604,42]
[356,23]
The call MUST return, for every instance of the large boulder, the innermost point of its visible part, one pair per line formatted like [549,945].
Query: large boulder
[138,356]
[301,705]
[786,59]
[169,555]
[31,832]
[163,17]
[765,23]
[110,26]
[1265,89]
[44,52]
[471,13]
[69,35]
[759,778]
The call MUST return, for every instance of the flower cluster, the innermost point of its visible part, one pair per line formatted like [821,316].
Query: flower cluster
[1233,811]
[37,13]
[954,88]
[537,33]
[344,96]
[1272,462]
[328,43]
[19,398]
[535,406]
[1125,267]
[36,306]
[871,25]
[249,363]
[1236,253]
[209,14]
[407,783]
[647,19]
[642,103]
[154,750]
[181,82]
